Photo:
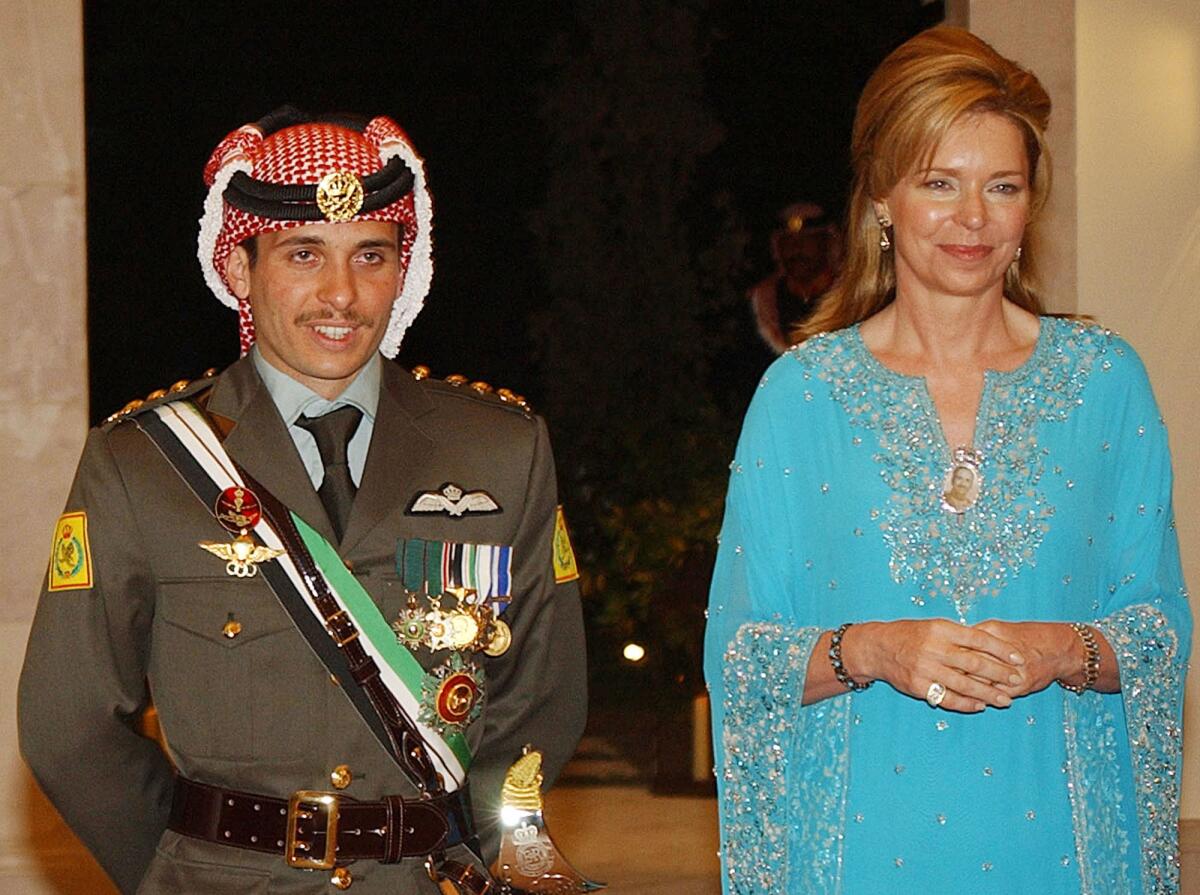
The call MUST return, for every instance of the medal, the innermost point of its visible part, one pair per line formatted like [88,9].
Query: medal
[476,575]
[463,629]
[963,481]
[238,510]
[498,638]
[451,695]
[464,626]
[437,627]
[411,627]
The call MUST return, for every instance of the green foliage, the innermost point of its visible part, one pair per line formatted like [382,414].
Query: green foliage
[638,259]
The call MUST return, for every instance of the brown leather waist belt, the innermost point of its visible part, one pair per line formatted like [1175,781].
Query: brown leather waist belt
[319,830]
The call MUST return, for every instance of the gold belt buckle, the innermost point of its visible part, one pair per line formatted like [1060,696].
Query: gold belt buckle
[307,804]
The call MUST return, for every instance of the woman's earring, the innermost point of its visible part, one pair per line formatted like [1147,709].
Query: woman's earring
[1017,256]
[885,241]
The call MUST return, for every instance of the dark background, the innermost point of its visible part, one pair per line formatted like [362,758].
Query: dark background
[605,179]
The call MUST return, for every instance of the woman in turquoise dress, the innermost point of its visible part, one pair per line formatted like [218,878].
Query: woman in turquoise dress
[948,630]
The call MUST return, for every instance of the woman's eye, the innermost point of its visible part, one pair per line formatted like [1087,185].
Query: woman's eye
[1007,188]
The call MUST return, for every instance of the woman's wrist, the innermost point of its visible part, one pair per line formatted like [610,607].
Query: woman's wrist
[857,654]
[1080,666]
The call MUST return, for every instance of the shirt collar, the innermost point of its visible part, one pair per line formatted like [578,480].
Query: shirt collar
[294,399]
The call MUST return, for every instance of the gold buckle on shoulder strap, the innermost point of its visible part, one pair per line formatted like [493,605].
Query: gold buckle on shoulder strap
[307,805]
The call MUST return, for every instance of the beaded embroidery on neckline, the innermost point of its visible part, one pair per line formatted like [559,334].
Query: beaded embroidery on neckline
[965,558]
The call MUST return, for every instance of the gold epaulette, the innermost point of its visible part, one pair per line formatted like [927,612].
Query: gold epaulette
[173,389]
[508,396]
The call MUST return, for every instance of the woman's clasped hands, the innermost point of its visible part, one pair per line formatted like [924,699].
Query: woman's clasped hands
[961,668]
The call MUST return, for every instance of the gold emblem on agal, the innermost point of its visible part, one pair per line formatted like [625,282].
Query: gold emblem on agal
[339,196]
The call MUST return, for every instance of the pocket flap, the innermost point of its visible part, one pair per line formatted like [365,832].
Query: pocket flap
[228,611]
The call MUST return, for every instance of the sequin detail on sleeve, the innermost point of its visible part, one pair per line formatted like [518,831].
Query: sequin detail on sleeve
[785,768]
[1094,785]
[971,556]
[1152,673]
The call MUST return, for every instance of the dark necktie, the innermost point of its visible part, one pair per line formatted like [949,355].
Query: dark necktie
[332,433]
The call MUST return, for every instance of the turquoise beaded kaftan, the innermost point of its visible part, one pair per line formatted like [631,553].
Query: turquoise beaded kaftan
[835,514]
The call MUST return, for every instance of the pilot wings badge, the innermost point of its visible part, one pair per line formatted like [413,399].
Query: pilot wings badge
[453,500]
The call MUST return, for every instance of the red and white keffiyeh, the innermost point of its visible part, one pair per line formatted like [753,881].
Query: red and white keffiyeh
[301,155]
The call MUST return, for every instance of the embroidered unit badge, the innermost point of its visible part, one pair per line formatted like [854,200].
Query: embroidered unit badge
[71,554]
[565,568]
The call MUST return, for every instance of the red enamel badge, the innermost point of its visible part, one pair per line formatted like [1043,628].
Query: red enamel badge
[456,697]
[238,509]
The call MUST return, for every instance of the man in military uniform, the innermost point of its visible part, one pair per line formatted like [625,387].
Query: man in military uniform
[434,499]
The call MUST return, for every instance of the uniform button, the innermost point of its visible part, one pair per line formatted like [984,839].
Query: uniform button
[232,627]
[349,565]
[340,776]
[341,878]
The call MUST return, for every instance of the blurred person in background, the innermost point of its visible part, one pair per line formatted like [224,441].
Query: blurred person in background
[805,251]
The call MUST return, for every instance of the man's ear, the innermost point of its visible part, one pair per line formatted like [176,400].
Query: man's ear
[237,272]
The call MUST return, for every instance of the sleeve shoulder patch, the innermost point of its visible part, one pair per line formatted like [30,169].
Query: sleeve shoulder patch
[71,554]
[564,556]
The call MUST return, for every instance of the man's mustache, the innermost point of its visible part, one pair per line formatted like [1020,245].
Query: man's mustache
[348,319]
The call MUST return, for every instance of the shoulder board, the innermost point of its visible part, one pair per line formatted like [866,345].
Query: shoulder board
[499,395]
[182,389]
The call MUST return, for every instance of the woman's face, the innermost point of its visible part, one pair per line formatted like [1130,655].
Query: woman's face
[959,223]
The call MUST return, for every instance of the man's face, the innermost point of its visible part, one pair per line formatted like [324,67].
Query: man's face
[321,295]
[805,255]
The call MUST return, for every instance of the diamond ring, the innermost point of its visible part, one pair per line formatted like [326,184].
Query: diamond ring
[935,694]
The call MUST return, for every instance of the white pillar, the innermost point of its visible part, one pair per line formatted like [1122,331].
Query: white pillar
[43,385]
[1039,34]
[1125,132]
[1139,234]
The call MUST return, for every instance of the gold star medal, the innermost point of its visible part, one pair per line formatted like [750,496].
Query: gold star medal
[451,695]
[464,626]
[438,632]
[411,628]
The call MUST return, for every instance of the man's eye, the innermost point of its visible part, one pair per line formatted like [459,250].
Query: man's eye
[302,255]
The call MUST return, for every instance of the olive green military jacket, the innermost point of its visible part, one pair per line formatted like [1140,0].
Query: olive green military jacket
[257,711]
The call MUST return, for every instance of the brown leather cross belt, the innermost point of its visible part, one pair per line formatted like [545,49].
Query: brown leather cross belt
[318,830]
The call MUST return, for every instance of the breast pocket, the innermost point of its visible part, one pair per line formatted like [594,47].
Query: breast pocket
[229,673]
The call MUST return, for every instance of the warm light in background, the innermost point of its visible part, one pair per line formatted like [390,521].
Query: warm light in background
[634,652]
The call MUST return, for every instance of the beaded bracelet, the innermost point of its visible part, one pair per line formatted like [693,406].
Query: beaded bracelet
[1091,663]
[835,659]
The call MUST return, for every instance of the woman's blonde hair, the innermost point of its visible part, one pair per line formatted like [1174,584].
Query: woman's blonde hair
[910,103]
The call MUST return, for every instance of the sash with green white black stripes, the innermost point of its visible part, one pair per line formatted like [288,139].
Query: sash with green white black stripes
[308,567]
